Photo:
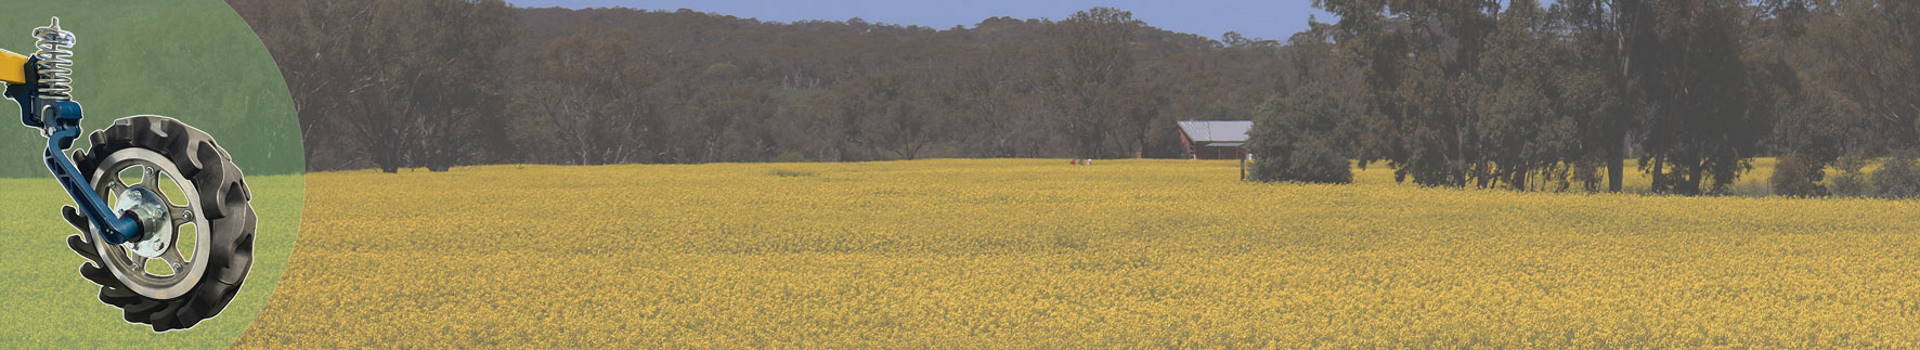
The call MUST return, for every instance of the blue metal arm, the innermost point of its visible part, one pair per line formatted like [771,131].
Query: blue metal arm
[60,120]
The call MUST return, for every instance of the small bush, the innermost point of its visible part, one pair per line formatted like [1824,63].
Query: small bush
[790,157]
[1797,176]
[1852,180]
[1898,178]
[793,173]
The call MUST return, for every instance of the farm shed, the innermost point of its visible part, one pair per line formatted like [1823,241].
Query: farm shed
[1215,139]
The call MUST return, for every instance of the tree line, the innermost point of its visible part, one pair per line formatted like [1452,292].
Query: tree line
[1459,93]
[394,84]
[1513,94]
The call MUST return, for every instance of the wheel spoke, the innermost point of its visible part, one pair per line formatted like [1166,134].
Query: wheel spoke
[138,263]
[181,215]
[150,177]
[172,256]
[115,187]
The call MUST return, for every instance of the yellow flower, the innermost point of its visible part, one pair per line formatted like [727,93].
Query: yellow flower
[1034,254]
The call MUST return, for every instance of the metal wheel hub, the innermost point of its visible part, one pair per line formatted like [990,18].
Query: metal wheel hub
[156,225]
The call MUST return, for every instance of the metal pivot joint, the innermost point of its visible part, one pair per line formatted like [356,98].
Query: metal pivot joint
[46,102]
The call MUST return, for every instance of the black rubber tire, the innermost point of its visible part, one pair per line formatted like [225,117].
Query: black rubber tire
[225,203]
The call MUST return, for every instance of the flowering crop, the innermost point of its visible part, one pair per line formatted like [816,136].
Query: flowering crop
[1036,253]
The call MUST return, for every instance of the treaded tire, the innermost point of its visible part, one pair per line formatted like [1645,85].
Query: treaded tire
[224,200]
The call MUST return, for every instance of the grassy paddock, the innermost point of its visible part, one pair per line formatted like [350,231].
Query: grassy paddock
[1037,253]
[48,304]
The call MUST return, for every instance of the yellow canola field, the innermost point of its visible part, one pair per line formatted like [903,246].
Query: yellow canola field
[1040,254]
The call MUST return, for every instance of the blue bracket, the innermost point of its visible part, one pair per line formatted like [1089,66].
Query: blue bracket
[60,121]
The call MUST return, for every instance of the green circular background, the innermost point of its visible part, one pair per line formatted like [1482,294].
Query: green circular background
[196,61]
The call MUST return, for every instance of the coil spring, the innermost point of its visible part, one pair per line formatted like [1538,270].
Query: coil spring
[53,48]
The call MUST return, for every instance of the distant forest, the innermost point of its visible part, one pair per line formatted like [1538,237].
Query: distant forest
[1483,93]
[438,83]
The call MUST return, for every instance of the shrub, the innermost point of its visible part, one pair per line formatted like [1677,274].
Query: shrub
[1302,137]
[790,157]
[1797,176]
[793,173]
[1852,180]
[1898,178]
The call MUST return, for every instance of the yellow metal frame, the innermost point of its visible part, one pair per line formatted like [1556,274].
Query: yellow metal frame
[13,67]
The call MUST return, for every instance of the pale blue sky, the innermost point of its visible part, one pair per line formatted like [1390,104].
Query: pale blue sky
[1271,19]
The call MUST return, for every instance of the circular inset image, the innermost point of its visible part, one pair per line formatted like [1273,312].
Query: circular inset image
[187,125]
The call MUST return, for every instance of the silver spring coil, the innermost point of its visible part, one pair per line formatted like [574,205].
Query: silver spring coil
[54,49]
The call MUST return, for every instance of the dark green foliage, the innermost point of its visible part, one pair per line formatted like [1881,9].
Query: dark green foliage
[1419,57]
[1708,106]
[1511,94]
[1797,176]
[1852,181]
[618,85]
[1854,84]
[1470,92]
[1594,90]
[1860,56]
[1485,93]
[406,84]
[1093,71]
[1898,178]
[1302,137]
[1523,138]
